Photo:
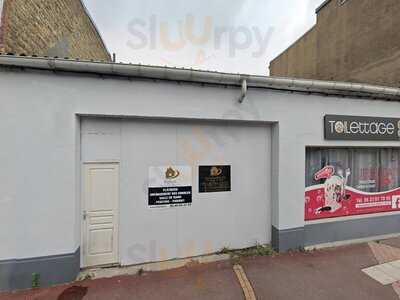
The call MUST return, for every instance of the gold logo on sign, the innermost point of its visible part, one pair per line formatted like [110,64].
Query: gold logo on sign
[215,171]
[171,173]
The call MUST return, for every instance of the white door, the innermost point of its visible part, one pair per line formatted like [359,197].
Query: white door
[100,214]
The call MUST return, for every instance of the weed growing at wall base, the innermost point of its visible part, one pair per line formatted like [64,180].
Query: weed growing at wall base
[258,250]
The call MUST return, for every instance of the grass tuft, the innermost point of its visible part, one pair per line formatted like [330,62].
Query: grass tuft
[258,250]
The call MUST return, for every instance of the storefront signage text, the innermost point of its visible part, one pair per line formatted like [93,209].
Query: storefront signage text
[361,128]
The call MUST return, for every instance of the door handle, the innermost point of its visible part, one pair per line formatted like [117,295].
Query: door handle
[85,215]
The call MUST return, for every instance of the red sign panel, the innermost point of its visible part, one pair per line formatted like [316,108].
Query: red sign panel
[337,190]
[321,205]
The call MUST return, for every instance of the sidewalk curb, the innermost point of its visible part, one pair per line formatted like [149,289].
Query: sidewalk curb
[98,273]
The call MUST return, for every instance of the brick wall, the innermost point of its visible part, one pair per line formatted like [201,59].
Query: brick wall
[1,28]
[287,63]
[358,41]
[1,9]
[50,28]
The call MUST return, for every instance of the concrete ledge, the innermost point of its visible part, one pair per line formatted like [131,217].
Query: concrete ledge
[6,272]
[57,269]
[353,242]
[324,233]
[287,239]
[96,273]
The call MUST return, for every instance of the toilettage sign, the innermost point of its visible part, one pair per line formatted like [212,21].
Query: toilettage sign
[360,128]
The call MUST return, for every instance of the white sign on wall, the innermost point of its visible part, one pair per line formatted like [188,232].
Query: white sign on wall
[170,186]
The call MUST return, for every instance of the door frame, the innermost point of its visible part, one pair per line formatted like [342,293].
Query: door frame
[82,206]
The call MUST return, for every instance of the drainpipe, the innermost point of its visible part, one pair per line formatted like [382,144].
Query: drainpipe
[244,91]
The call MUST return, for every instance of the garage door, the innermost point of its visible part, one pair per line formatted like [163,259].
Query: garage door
[232,212]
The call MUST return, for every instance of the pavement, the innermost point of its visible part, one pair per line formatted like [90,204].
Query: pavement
[327,274]
[321,274]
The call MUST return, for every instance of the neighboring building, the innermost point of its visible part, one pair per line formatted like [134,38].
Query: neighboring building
[353,40]
[61,28]
[118,164]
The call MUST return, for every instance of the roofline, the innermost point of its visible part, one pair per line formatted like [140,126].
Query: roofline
[96,29]
[203,77]
[325,3]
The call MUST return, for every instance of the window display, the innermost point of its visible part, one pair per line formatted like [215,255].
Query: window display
[344,182]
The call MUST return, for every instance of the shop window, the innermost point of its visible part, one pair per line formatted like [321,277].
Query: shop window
[344,182]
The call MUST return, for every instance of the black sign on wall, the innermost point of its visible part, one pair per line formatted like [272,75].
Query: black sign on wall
[170,186]
[170,196]
[359,128]
[213,179]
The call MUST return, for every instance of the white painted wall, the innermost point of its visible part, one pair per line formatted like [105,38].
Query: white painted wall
[237,219]
[38,178]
